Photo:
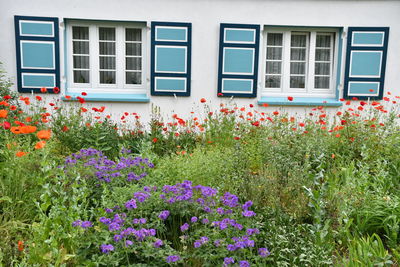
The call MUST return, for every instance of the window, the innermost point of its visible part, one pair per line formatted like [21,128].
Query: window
[300,62]
[105,57]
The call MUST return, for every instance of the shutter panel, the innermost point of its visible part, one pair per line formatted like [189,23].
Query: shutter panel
[238,60]
[38,54]
[170,58]
[365,62]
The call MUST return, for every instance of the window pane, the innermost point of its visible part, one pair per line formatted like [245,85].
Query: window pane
[297,82]
[107,77]
[322,68]
[81,33]
[80,47]
[133,49]
[133,34]
[107,34]
[274,39]
[107,48]
[133,78]
[297,54]
[274,53]
[321,82]
[107,63]
[322,54]
[272,81]
[274,67]
[298,40]
[133,63]
[323,40]
[81,76]
[81,62]
[297,68]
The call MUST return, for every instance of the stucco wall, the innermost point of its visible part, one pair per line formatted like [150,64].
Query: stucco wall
[205,16]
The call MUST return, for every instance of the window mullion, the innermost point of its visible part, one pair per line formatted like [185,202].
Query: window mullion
[119,60]
[94,60]
[286,62]
[311,62]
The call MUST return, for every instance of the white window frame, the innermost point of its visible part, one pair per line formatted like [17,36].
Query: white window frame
[94,86]
[309,90]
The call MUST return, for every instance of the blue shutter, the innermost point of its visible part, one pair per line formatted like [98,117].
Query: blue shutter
[365,62]
[38,54]
[238,60]
[171,58]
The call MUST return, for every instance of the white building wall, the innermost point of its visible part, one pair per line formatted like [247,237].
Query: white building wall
[206,16]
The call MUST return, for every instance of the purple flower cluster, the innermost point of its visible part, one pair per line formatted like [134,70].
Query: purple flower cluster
[200,242]
[224,213]
[83,224]
[240,243]
[230,200]
[105,169]
[224,223]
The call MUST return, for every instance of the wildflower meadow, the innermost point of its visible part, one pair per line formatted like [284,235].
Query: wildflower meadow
[235,186]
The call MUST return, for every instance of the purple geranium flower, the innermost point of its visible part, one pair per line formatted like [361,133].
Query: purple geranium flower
[106,248]
[184,227]
[244,264]
[158,243]
[263,252]
[131,204]
[228,261]
[173,258]
[164,215]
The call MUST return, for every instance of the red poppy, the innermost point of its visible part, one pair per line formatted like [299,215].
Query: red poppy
[354,98]
[65,128]
[6,125]
[56,90]
[68,97]
[220,94]
[6,97]
[203,100]
[265,105]
[83,93]
[290,98]
[251,105]
[276,113]
[83,109]
[301,124]
[43,90]
[155,140]
[38,98]
[236,138]
[256,123]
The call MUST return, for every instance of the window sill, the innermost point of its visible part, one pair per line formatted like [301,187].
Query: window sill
[300,101]
[108,97]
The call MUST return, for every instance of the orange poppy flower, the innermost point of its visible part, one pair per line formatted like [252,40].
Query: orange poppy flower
[27,129]
[20,245]
[20,154]
[16,129]
[3,113]
[44,134]
[40,144]
[43,90]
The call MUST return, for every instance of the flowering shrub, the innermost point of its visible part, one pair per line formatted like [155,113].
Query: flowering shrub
[178,223]
[100,169]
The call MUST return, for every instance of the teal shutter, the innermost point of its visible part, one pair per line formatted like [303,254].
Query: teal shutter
[170,58]
[365,62]
[238,60]
[38,54]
